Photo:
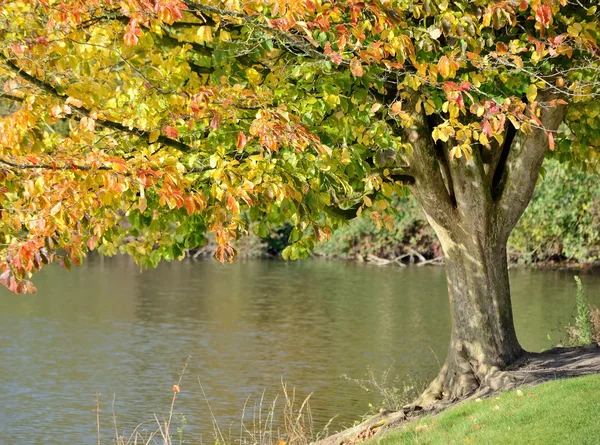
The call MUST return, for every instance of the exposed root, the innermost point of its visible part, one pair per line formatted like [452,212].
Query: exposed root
[458,384]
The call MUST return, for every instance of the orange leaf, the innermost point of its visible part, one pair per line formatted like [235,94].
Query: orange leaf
[550,140]
[241,141]
[170,132]
[501,48]
[75,102]
[443,66]
[544,15]
[356,67]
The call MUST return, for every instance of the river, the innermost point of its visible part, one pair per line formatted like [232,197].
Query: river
[107,327]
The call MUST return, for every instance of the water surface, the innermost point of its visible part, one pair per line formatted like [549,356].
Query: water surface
[107,327]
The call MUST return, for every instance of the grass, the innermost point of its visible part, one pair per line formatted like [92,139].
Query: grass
[558,412]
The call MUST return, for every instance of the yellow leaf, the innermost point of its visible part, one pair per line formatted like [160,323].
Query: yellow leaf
[142,204]
[382,204]
[253,76]
[429,107]
[154,134]
[531,93]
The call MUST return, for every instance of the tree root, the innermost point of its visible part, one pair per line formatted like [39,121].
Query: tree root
[451,387]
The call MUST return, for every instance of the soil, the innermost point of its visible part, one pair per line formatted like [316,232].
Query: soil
[531,369]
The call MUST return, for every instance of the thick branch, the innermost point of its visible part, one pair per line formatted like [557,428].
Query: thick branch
[444,161]
[428,187]
[50,89]
[523,164]
[472,194]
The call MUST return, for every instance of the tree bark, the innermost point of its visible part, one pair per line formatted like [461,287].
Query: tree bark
[483,338]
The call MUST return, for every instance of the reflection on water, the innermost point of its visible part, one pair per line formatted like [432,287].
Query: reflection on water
[107,327]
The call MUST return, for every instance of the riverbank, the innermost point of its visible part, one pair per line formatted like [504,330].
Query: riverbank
[558,396]
[557,412]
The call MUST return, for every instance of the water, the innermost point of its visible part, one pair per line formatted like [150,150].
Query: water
[105,327]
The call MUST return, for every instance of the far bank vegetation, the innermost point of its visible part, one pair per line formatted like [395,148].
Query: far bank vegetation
[560,228]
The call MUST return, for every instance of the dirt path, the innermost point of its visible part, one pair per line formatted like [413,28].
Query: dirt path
[532,369]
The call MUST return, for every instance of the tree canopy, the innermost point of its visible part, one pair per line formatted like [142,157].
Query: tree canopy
[141,125]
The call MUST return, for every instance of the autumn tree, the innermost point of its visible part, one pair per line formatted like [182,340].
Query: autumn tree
[139,126]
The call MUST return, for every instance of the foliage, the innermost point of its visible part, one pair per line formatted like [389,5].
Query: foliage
[561,223]
[586,329]
[142,125]
[562,220]
[408,232]
[558,412]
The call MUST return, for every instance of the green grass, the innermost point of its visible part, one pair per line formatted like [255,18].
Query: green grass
[560,412]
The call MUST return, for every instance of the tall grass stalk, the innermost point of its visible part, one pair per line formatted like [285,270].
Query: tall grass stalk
[295,426]
[583,332]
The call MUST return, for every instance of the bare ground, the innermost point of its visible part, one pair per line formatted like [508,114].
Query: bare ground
[532,369]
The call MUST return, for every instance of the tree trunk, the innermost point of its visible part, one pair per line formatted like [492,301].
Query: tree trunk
[483,339]
[473,204]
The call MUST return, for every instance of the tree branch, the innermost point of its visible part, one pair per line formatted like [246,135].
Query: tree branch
[428,187]
[472,194]
[12,97]
[106,123]
[56,167]
[520,174]
[403,174]
[497,169]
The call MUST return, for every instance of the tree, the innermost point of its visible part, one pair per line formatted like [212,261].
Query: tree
[139,126]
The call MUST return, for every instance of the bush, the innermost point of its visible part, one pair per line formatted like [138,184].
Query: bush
[562,221]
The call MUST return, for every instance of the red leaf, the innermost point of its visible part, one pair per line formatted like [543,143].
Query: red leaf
[486,128]
[335,57]
[170,132]
[544,15]
[215,123]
